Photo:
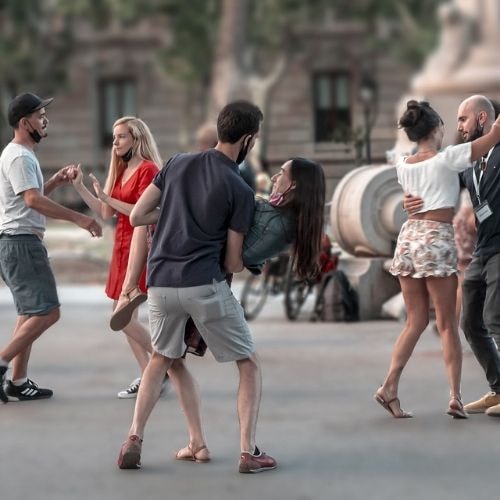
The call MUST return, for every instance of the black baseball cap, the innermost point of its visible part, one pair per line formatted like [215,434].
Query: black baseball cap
[25,104]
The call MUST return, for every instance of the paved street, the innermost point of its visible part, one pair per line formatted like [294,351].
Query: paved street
[317,418]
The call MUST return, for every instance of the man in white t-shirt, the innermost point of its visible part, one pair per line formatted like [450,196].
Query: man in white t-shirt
[24,265]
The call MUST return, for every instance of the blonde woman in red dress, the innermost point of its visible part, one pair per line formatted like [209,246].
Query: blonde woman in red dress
[134,162]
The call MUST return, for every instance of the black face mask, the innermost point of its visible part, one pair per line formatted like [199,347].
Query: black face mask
[243,151]
[34,134]
[126,157]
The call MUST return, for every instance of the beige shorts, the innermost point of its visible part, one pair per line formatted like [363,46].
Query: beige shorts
[425,248]
[216,313]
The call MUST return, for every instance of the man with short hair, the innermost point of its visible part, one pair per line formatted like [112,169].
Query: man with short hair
[24,264]
[205,209]
[481,285]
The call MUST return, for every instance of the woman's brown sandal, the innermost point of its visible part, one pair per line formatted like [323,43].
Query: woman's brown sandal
[125,307]
[391,405]
[456,408]
[193,454]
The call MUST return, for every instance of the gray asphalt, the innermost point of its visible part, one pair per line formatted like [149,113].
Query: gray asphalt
[317,418]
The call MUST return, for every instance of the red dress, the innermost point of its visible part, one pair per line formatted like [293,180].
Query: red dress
[129,193]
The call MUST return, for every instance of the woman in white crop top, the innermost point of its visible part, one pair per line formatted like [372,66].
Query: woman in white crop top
[425,259]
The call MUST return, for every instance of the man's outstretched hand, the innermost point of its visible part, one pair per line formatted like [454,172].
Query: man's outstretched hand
[412,204]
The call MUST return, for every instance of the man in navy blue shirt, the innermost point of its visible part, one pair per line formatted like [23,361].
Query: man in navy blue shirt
[205,209]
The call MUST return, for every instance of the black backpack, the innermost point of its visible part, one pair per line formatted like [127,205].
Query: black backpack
[336,300]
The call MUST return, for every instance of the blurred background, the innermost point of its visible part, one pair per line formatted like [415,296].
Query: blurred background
[330,76]
[327,73]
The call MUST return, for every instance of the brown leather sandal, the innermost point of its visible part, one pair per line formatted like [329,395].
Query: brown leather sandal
[192,457]
[456,408]
[127,303]
[387,405]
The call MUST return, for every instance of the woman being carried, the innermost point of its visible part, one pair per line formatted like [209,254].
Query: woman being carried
[425,258]
[293,215]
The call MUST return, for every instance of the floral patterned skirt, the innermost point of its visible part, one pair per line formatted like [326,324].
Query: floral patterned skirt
[425,248]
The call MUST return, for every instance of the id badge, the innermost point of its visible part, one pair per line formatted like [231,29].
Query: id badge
[483,211]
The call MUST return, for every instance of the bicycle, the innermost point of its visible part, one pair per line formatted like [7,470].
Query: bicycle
[296,292]
[257,287]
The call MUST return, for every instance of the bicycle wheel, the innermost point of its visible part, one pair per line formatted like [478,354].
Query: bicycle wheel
[254,295]
[296,292]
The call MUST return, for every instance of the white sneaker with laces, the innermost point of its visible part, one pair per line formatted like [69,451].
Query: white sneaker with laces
[131,391]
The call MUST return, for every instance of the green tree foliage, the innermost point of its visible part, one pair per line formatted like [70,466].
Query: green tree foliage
[271,22]
[411,25]
[36,37]
[193,26]
[34,45]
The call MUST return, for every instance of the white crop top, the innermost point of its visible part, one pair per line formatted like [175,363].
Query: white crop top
[435,180]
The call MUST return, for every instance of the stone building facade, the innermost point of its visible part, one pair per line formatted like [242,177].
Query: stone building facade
[316,108]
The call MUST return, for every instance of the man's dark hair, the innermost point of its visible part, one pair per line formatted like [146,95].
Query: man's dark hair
[237,119]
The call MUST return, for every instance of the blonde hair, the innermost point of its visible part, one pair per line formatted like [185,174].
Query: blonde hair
[143,145]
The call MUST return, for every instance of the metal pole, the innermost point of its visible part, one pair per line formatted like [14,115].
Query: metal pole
[367,134]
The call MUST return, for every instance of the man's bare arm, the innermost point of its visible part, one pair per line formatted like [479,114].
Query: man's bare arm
[145,211]
[412,204]
[61,177]
[50,208]
[233,261]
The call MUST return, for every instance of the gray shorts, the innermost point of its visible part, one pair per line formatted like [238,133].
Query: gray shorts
[25,268]
[216,313]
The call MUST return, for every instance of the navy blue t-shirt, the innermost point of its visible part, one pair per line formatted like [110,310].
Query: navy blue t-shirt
[488,231]
[202,196]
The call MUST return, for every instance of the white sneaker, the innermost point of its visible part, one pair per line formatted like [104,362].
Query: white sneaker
[131,391]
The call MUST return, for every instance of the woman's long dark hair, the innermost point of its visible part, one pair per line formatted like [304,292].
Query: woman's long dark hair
[308,203]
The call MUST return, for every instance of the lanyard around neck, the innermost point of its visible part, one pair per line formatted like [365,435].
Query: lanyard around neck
[475,179]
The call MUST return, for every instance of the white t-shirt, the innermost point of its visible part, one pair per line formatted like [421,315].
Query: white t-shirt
[19,171]
[435,180]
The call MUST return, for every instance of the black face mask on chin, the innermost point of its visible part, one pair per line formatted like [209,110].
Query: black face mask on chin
[34,134]
[243,151]
[126,157]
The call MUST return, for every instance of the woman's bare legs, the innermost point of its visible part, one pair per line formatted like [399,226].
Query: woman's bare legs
[139,340]
[137,336]
[136,331]
[137,258]
[416,300]
[131,296]
[443,293]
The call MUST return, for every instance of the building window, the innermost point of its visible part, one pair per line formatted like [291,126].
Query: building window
[332,107]
[117,98]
